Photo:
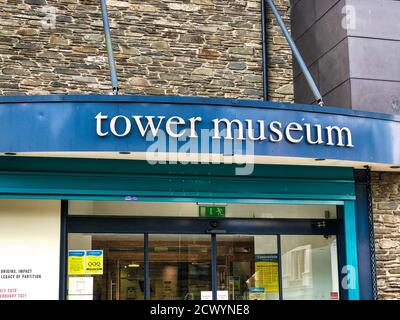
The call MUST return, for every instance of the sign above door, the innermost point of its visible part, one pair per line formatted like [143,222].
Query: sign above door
[196,126]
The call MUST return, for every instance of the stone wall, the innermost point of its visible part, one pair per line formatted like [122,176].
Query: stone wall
[386,203]
[162,47]
[280,66]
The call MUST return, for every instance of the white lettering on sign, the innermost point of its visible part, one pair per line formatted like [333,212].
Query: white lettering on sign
[177,127]
[275,128]
[127,126]
[293,127]
[174,122]
[339,135]
[318,139]
[229,129]
[150,124]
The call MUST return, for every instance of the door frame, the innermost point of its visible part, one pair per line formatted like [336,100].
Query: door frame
[120,180]
[183,225]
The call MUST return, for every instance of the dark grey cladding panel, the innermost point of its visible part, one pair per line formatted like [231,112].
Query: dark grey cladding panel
[340,96]
[302,92]
[322,36]
[374,59]
[303,17]
[333,67]
[375,19]
[305,13]
[322,6]
[377,96]
[329,72]
[358,67]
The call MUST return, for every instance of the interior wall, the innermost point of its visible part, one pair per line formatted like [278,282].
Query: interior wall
[190,209]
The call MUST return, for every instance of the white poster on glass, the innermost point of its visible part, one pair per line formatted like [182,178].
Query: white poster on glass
[29,249]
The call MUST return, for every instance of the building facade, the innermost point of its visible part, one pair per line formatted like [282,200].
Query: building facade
[296,201]
[199,48]
[366,78]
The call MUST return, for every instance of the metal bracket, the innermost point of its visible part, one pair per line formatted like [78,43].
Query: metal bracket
[107,36]
[216,231]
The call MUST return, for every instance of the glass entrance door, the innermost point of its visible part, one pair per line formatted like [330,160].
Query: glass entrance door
[248,267]
[268,267]
[121,272]
[244,254]
[179,266]
[309,267]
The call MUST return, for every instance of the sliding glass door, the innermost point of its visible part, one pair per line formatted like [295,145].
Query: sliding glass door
[248,254]
[179,266]
[248,267]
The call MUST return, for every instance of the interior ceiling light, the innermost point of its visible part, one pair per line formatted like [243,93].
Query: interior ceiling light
[212,204]
[131,198]
[134,265]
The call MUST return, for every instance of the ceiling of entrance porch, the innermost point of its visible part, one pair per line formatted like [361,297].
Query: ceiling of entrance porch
[206,158]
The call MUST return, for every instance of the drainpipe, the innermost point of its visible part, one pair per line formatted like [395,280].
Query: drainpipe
[107,36]
[297,55]
[264,50]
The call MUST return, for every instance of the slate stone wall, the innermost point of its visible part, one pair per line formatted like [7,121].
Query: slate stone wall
[162,47]
[386,204]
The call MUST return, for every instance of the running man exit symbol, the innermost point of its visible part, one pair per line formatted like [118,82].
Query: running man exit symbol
[205,211]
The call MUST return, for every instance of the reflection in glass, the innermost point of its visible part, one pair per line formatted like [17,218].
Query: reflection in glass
[180,266]
[309,268]
[248,267]
[123,267]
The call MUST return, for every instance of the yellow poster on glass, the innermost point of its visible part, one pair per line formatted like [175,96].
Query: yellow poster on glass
[94,262]
[267,277]
[76,262]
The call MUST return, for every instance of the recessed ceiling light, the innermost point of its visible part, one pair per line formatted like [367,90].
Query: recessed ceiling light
[130,198]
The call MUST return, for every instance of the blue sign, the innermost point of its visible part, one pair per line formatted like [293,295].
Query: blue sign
[97,123]
[94,253]
[76,253]
[257,290]
[268,257]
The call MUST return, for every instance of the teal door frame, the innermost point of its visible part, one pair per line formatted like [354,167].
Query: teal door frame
[119,180]
[350,230]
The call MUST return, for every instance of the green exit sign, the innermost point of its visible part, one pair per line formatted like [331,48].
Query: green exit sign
[205,211]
